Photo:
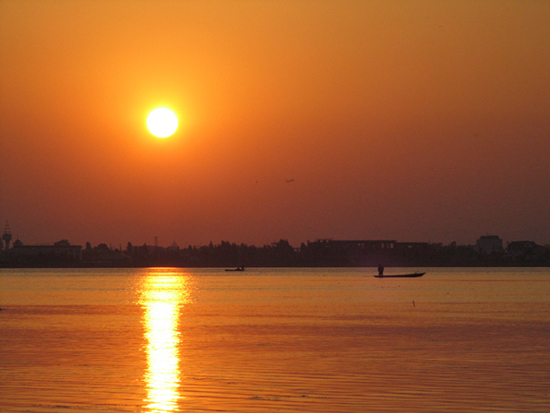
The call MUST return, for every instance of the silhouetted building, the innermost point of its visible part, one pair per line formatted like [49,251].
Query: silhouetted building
[487,244]
[173,248]
[59,251]
[525,251]
[360,245]
[6,236]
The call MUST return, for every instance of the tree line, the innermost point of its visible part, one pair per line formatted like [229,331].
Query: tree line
[280,254]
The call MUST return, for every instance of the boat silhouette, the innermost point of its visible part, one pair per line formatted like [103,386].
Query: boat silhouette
[411,275]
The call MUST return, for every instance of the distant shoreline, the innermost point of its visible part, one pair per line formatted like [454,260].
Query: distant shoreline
[258,266]
[320,253]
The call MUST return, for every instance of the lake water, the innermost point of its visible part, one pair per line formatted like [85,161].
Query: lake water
[284,340]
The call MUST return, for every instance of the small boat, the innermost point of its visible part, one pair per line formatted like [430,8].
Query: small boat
[235,269]
[413,275]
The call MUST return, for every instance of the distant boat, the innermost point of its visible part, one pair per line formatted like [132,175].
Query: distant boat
[235,269]
[413,275]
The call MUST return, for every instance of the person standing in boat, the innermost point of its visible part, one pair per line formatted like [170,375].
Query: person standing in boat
[380,270]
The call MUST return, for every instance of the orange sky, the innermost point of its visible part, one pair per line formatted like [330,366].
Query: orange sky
[407,120]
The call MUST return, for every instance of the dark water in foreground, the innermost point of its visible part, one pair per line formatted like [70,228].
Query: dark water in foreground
[286,340]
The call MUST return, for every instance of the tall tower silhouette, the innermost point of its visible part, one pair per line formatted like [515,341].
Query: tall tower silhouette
[6,236]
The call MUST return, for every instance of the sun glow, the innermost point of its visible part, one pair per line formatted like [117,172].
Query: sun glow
[162,122]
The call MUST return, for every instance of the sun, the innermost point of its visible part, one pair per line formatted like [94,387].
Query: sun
[162,122]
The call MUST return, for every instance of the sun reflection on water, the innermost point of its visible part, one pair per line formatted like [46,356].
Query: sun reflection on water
[162,295]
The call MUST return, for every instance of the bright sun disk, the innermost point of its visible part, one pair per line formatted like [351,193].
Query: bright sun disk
[162,122]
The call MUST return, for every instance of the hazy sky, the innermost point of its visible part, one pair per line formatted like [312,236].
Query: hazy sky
[406,120]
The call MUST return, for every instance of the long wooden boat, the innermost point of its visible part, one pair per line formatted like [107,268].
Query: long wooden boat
[412,275]
[235,269]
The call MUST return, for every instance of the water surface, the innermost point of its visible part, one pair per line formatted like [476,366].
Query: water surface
[287,340]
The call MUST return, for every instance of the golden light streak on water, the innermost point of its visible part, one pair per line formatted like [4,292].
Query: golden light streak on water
[163,294]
